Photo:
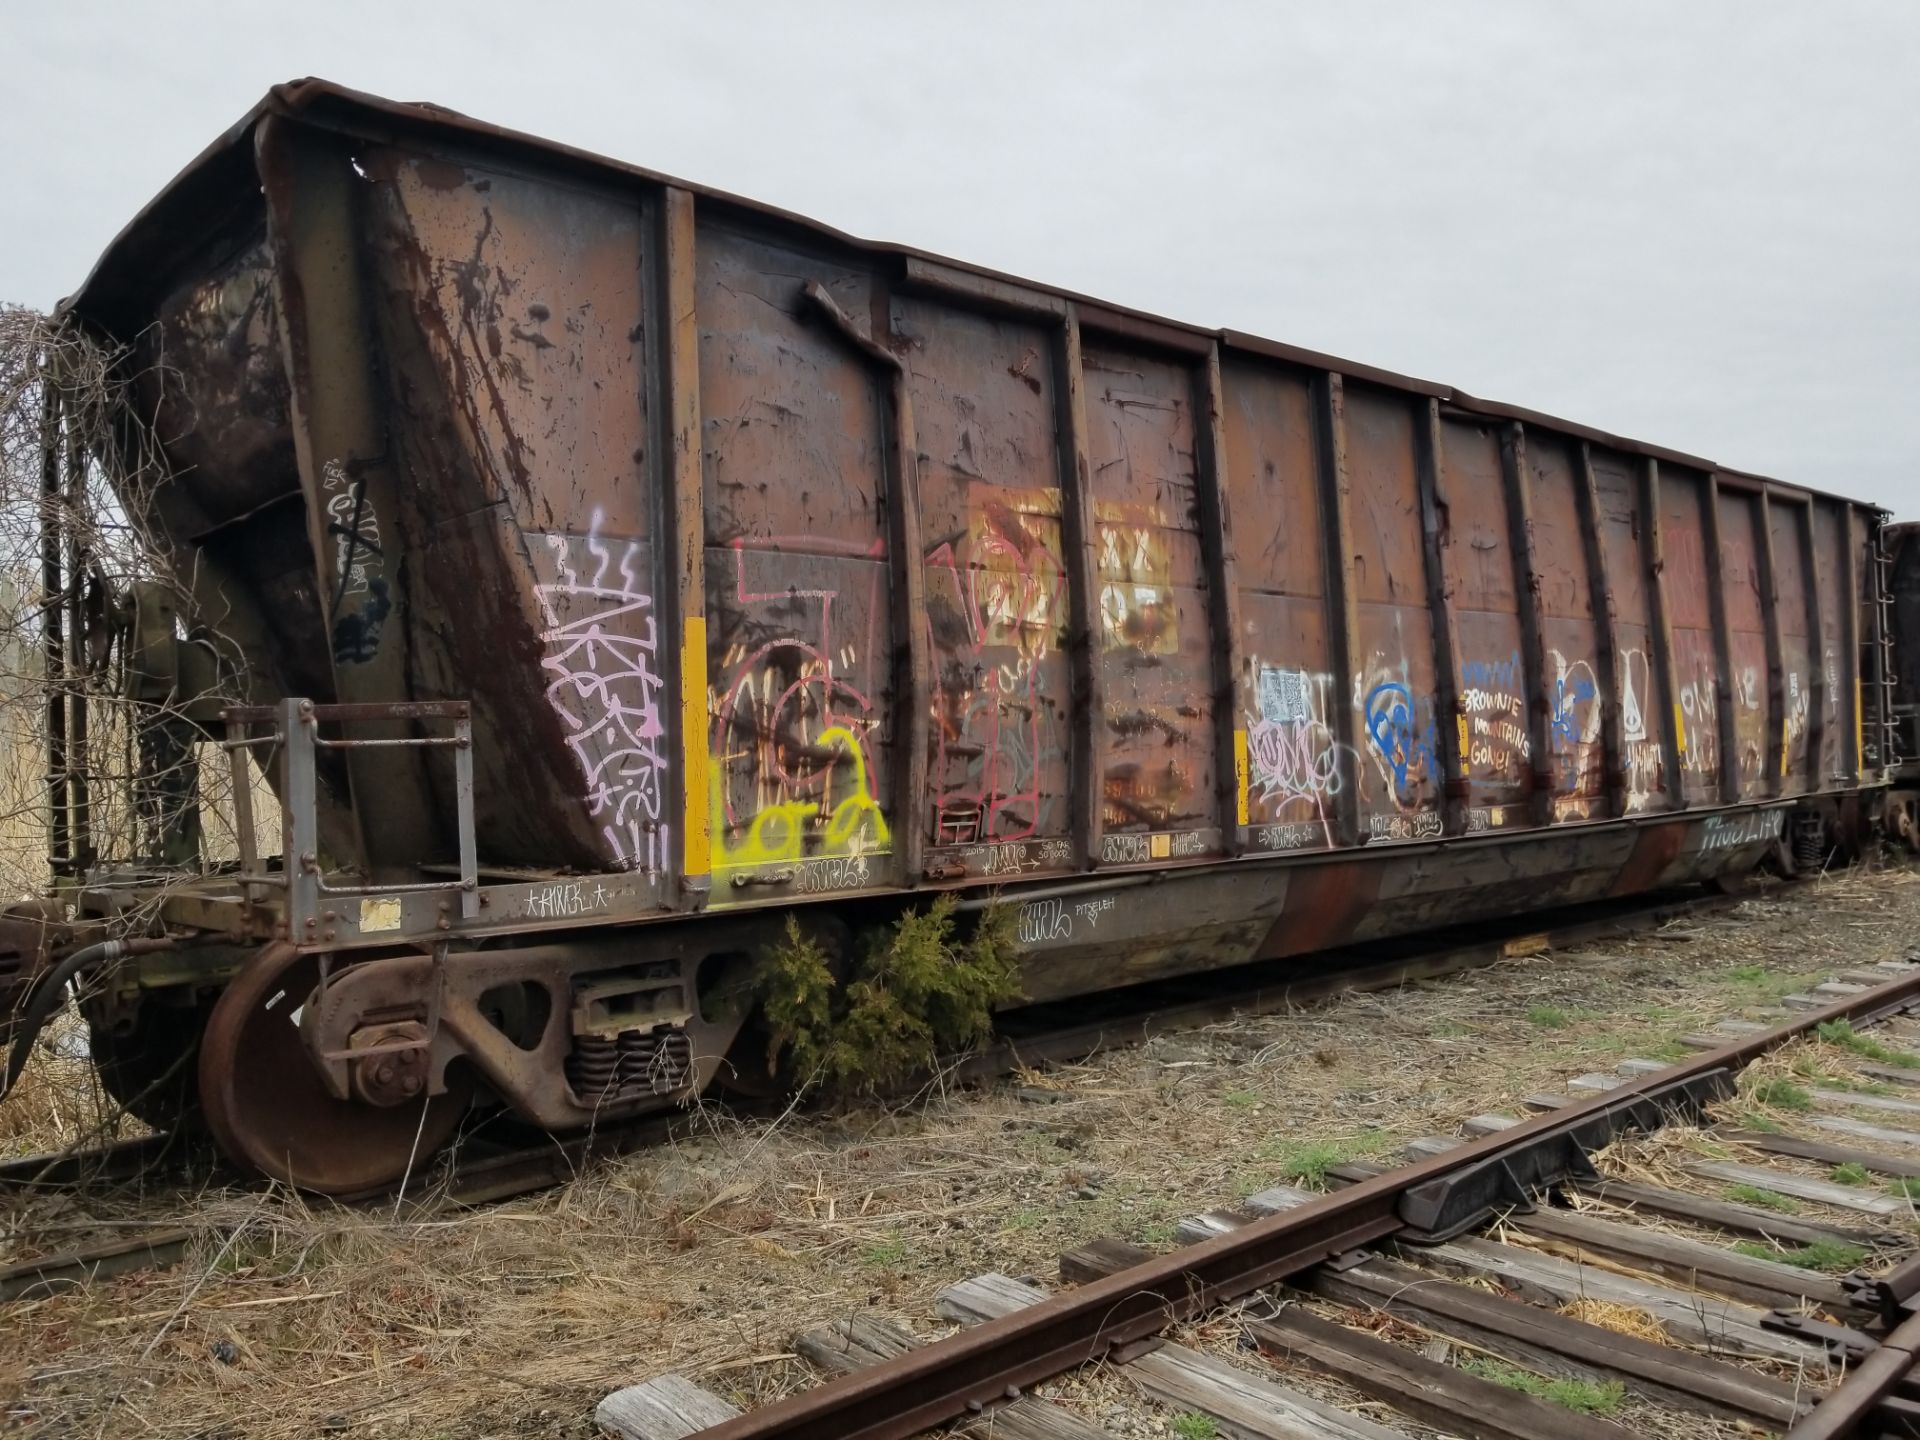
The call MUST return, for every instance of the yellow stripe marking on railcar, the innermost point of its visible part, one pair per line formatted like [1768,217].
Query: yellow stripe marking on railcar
[693,746]
[1240,776]
[1786,742]
[1680,729]
[1859,731]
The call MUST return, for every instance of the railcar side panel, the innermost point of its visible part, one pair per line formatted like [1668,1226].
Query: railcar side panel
[1495,744]
[1571,638]
[1000,738]
[1796,685]
[1641,679]
[1393,689]
[1153,641]
[1696,649]
[800,622]
[1294,777]
[1754,723]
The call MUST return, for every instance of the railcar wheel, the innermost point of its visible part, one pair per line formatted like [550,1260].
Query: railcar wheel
[268,1107]
[149,1070]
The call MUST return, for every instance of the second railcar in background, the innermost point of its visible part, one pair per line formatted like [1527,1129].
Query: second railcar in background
[611,568]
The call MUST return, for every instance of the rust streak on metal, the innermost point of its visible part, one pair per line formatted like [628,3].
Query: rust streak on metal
[677,337]
[1715,554]
[1232,696]
[1533,645]
[1606,623]
[1777,722]
[1343,625]
[1079,540]
[1437,551]
[1667,704]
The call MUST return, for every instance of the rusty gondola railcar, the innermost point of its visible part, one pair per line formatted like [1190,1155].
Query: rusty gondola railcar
[615,567]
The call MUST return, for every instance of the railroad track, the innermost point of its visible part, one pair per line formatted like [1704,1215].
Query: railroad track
[1044,1035]
[1479,1246]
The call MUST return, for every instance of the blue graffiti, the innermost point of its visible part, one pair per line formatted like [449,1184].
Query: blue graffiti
[1567,695]
[1406,746]
[1492,674]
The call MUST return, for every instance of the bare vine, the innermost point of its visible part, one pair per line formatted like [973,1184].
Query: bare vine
[81,461]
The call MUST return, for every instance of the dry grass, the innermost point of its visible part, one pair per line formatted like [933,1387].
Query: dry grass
[704,1256]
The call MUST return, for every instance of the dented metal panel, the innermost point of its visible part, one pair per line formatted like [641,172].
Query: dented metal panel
[1294,777]
[1795,683]
[1152,642]
[1571,637]
[800,624]
[1641,691]
[1393,690]
[1753,721]
[1696,652]
[1493,729]
[1000,741]
[1839,664]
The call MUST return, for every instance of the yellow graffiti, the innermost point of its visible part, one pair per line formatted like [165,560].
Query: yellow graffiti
[855,826]
[693,731]
[1240,776]
[1859,733]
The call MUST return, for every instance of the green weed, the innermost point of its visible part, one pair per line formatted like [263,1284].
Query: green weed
[1782,1094]
[1306,1162]
[1833,1256]
[1549,1017]
[1587,1397]
[911,994]
[1763,1198]
[1851,1173]
[1194,1426]
[1842,1033]
[1240,1099]
[1907,1186]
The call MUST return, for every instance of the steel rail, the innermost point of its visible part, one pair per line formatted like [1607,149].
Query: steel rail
[969,1372]
[1846,1408]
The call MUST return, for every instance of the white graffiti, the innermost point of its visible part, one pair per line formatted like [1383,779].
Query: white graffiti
[355,529]
[1090,911]
[1044,922]
[829,872]
[601,647]
[1047,922]
[1799,706]
[1286,696]
[557,902]
[1014,857]
[1297,836]
[1727,832]
[1423,825]
[1293,761]
[1633,724]
[1485,702]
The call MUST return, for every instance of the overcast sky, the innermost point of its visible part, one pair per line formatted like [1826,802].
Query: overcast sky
[1698,224]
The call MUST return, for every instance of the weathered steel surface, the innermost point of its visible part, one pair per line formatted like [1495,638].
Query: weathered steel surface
[778,566]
